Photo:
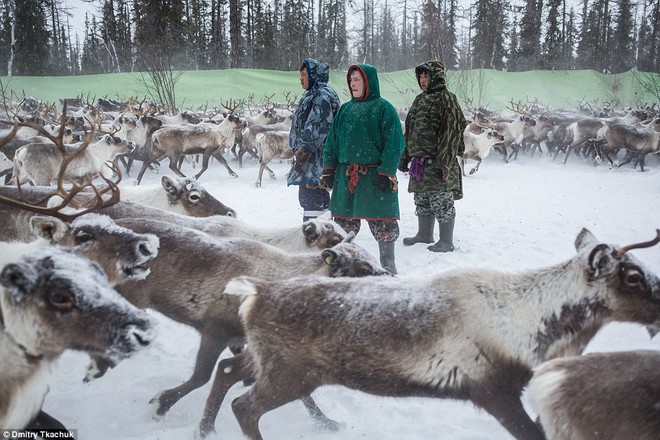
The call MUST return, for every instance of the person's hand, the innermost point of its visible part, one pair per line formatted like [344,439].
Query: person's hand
[403,165]
[383,182]
[327,180]
[301,159]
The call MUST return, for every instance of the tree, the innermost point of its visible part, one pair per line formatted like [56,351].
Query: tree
[648,59]
[530,34]
[623,44]
[218,45]
[92,61]
[489,27]
[32,39]
[552,44]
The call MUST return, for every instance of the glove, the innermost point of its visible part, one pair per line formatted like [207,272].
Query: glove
[383,182]
[403,165]
[301,159]
[327,180]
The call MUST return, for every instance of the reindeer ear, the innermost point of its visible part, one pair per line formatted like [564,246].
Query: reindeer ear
[329,256]
[168,185]
[601,261]
[20,279]
[584,239]
[50,228]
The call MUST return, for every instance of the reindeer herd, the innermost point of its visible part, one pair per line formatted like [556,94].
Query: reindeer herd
[303,306]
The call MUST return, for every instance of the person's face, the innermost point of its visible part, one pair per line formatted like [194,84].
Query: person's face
[356,83]
[304,80]
[424,81]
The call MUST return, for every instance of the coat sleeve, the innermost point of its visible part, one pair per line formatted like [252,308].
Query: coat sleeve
[393,141]
[330,160]
[450,141]
[317,124]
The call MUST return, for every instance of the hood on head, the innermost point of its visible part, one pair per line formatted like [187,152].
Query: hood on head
[437,72]
[371,84]
[318,72]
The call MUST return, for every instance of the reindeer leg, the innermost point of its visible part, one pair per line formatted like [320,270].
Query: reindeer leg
[263,397]
[221,159]
[145,165]
[476,167]
[319,417]
[229,372]
[501,398]
[211,345]
[261,173]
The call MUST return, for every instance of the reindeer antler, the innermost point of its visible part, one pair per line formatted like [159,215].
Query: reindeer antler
[617,253]
[68,194]
[233,105]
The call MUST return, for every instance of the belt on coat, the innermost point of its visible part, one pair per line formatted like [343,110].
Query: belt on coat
[353,172]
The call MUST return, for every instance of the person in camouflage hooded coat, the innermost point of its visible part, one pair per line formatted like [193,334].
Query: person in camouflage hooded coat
[360,159]
[434,138]
[310,125]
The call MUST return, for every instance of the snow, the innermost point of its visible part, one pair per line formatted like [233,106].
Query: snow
[516,216]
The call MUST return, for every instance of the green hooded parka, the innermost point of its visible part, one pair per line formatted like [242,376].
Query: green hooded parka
[365,140]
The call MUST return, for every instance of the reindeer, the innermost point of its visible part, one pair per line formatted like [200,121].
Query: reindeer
[213,315]
[40,163]
[203,138]
[465,334]
[51,301]
[599,396]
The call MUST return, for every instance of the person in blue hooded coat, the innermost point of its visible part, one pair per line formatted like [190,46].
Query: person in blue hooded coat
[310,125]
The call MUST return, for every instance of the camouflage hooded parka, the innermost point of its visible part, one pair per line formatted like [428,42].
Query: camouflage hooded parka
[434,130]
[311,122]
[365,140]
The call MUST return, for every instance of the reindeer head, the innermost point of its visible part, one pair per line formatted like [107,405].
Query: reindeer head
[631,291]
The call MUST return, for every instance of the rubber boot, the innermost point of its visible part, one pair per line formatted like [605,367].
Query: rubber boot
[446,241]
[387,256]
[425,225]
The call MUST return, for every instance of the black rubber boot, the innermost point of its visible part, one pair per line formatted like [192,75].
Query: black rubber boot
[425,223]
[387,256]
[446,241]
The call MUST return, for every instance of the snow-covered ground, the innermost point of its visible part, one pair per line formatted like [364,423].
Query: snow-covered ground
[521,215]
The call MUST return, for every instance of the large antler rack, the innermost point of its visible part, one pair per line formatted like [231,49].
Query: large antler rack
[103,197]
[233,105]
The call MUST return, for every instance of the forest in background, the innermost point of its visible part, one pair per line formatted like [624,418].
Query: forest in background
[610,36]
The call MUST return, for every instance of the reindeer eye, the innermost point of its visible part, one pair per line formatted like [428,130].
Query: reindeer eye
[61,300]
[634,277]
[194,197]
[83,237]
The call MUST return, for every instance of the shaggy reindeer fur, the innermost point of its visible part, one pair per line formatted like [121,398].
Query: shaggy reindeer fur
[599,396]
[51,301]
[467,334]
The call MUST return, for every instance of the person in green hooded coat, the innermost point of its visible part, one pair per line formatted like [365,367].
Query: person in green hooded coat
[360,159]
[434,139]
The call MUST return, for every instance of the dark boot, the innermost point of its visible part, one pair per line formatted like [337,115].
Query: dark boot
[387,256]
[446,241]
[425,223]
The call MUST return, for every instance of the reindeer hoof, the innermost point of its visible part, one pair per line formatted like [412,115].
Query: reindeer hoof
[257,184]
[327,424]
[158,409]
[204,431]
[233,174]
